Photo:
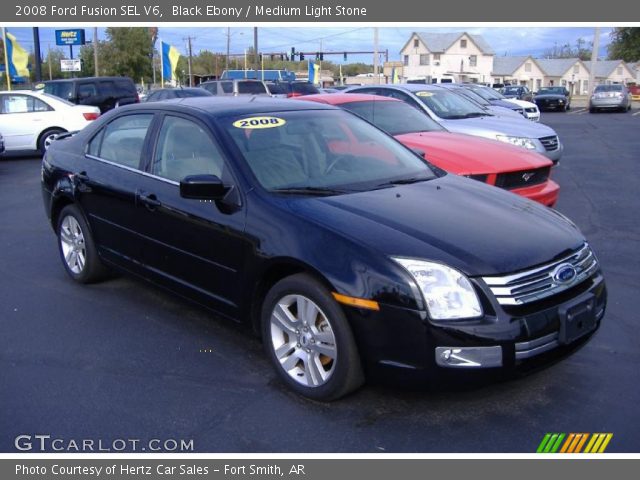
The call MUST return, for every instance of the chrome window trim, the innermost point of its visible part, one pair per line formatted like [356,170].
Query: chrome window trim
[130,169]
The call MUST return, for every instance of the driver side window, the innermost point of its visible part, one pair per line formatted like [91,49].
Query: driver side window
[185,148]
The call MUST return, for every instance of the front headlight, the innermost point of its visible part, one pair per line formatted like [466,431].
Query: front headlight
[448,293]
[518,141]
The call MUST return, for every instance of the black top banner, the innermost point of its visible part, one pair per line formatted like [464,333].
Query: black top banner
[235,11]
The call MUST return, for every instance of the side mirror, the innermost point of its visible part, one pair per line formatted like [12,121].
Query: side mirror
[203,187]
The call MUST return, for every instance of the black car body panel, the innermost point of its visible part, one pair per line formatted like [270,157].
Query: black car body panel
[226,254]
[557,99]
[105,93]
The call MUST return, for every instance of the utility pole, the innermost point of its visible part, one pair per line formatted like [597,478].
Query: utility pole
[255,49]
[49,62]
[375,55]
[226,65]
[36,53]
[189,62]
[594,60]
[95,52]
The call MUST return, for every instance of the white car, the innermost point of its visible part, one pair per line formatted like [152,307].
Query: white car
[531,111]
[32,120]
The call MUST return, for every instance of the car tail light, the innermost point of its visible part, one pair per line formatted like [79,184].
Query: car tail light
[90,115]
[294,94]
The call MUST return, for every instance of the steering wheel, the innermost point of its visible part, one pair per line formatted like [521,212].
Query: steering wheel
[337,159]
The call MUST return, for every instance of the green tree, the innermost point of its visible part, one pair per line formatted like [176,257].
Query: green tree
[625,44]
[127,51]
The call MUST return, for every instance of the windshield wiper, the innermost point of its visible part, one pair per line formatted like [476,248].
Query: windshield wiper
[476,114]
[309,191]
[403,181]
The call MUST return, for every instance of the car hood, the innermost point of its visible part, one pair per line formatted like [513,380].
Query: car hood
[504,112]
[464,154]
[476,228]
[520,103]
[491,126]
[503,103]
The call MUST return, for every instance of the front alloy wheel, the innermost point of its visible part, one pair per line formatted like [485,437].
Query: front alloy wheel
[309,340]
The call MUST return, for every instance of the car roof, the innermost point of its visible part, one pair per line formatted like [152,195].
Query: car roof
[223,106]
[411,87]
[60,80]
[340,98]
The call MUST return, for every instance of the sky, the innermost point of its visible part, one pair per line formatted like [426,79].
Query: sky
[504,40]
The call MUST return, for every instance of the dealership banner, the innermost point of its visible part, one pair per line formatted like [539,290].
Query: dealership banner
[313,469]
[230,11]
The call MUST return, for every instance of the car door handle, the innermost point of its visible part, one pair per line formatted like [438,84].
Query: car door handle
[149,200]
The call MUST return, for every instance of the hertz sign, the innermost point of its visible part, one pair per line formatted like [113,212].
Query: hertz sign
[70,37]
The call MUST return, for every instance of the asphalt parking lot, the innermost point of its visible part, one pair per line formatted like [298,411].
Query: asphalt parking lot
[124,360]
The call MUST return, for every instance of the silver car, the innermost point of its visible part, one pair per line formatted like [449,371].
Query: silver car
[459,115]
[611,97]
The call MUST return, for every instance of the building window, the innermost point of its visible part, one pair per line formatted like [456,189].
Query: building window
[527,67]
[424,59]
[473,61]
[576,69]
[463,43]
[619,70]
[436,57]
[416,43]
[405,60]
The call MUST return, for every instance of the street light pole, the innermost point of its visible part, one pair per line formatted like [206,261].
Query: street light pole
[95,52]
[228,47]
[594,60]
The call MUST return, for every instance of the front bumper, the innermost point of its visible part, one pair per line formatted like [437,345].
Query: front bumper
[545,193]
[552,104]
[553,155]
[402,345]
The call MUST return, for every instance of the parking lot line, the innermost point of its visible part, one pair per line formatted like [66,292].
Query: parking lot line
[637,113]
[577,112]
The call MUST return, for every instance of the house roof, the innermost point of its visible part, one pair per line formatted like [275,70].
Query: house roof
[604,68]
[440,42]
[556,67]
[508,65]
[633,66]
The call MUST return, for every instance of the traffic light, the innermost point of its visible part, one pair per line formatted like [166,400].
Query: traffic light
[301,56]
[321,56]
[293,52]
[345,56]
[272,57]
[317,55]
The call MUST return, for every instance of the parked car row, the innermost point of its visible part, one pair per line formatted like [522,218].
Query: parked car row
[349,254]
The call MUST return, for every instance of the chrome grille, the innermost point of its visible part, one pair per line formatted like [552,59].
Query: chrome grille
[550,143]
[538,283]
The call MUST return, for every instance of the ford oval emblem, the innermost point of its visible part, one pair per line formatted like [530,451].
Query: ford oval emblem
[564,273]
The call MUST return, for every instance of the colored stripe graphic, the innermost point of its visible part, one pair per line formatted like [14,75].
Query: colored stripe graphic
[574,443]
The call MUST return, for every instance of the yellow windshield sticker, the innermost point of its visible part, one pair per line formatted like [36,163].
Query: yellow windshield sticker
[424,94]
[259,122]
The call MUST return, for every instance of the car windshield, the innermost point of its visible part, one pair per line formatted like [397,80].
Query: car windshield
[471,95]
[487,93]
[251,87]
[322,152]
[551,91]
[59,89]
[511,90]
[450,106]
[394,117]
[608,88]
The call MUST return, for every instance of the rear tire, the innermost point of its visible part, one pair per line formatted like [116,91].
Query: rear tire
[308,339]
[77,249]
[47,137]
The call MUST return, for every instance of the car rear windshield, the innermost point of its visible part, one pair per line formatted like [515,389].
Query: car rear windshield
[59,89]
[251,87]
[299,151]
[450,106]
[608,88]
[304,88]
[395,118]
[277,88]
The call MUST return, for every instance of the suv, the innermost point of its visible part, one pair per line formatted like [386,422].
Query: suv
[102,92]
[292,89]
[236,87]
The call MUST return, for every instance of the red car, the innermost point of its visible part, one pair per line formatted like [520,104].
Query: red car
[496,163]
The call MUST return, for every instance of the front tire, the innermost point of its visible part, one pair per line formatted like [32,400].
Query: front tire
[77,249]
[309,341]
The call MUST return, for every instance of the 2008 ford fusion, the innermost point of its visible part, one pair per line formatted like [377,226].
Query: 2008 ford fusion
[343,249]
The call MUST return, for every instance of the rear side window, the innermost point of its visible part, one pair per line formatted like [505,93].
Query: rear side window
[227,87]
[251,87]
[108,88]
[87,90]
[122,140]
[125,88]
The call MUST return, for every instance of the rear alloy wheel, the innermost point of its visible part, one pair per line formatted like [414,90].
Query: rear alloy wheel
[47,138]
[309,341]
[77,250]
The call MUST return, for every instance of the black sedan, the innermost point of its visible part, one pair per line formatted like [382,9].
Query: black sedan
[347,252]
[553,98]
[180,92]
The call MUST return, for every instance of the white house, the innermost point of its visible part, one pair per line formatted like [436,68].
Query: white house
[571,73]
[614,71]
[523,70]
[456,56]
[635,69]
